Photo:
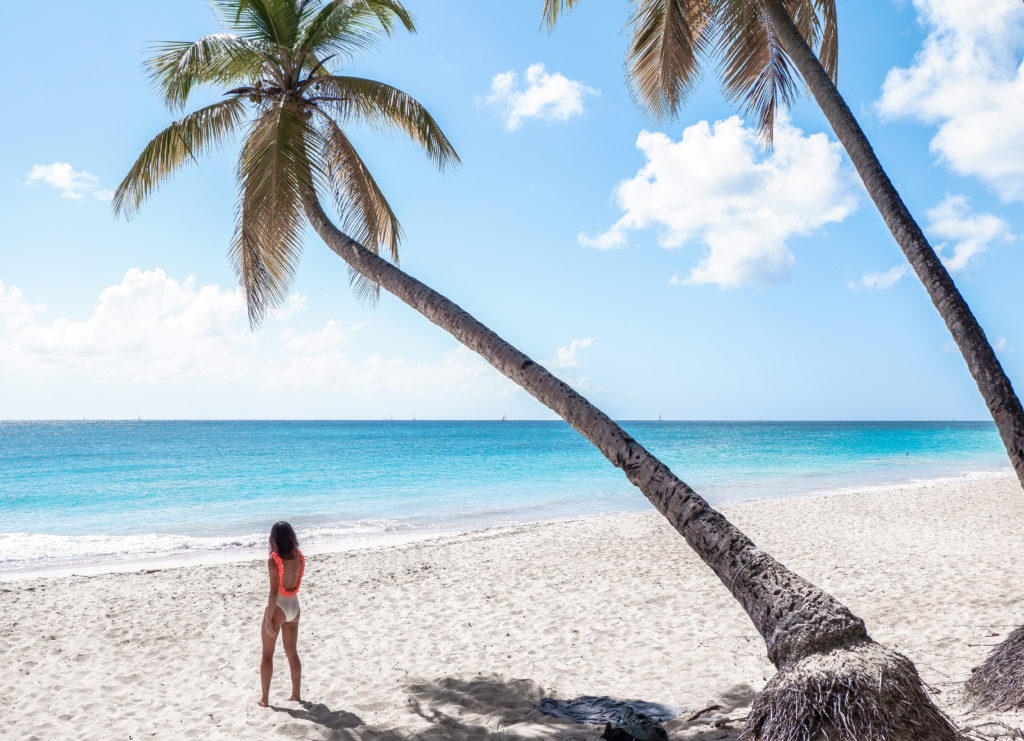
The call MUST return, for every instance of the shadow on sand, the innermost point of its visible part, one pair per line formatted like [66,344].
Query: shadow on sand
[493,708]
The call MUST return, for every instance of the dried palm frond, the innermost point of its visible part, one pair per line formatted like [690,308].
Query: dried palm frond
[863,692]
[669,39]
[756,73]
[998,684]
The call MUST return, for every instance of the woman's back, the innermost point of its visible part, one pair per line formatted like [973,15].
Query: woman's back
[292,567]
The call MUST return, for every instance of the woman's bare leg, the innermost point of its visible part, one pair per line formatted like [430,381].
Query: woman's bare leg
[267,659]
[289,639]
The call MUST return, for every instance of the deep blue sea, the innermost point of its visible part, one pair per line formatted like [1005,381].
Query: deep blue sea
[75,493]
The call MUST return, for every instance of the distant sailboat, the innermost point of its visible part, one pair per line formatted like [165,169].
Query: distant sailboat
[503,418]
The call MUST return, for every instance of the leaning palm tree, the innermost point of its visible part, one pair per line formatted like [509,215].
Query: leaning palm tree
[287,100]
[759,42]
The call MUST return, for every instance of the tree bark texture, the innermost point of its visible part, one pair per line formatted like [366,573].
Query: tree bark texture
[982,362]
[795,617]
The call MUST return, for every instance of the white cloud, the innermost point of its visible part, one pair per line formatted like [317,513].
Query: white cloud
[553,97]
[968,80]
[971,233]
[880,281]
[567,357]
[153,329]
[718,185]
[71,183]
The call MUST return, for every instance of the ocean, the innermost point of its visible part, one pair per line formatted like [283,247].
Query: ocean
[81,495]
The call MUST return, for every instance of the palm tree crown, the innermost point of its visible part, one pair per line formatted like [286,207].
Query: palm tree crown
[279,64]
[672,39]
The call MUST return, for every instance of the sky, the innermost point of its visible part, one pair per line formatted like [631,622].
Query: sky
[668,268]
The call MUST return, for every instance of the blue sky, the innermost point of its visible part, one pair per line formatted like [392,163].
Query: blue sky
[670,268]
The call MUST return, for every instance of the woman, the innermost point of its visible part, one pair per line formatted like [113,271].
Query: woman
[285,567]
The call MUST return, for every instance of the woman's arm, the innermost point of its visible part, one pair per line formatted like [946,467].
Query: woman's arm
[268,614]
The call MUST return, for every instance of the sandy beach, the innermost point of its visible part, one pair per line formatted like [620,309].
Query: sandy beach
[459,637]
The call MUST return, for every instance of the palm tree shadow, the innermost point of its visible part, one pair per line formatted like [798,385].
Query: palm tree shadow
[456,709]
[494,708]
[488,707]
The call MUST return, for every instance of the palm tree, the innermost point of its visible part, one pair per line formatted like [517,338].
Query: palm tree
[759,43]
[291,107]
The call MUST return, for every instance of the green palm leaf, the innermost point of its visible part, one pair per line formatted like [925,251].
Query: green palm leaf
[384,107]
[553,9]
[184,140]
[268,21]
[217,59]
[273,170]
[364,212]
[348,27]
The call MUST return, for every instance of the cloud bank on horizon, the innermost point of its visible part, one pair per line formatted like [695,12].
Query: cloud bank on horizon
[151,329]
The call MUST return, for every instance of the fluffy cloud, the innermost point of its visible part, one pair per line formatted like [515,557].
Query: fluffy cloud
[719,186]
[71,183]
[153,329]
[566,357]
[970,233]
[968,80]
[880,281]
[553,97]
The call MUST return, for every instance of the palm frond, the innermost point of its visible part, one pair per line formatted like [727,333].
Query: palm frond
[262,21]
[365,213]
[828,52]
[273,169]
[755,70]
[669,39]
[384,107]
[349,27]
[217,59]
[553,9]
[182,141]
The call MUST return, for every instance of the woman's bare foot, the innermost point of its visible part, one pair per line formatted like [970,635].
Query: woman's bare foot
[263,703]
[295,697]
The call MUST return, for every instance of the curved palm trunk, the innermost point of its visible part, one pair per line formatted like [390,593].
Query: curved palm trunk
[992,382]
[828,666]
[794,617]
[999,682]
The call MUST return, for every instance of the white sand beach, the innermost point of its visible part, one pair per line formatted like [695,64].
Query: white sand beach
[457,638]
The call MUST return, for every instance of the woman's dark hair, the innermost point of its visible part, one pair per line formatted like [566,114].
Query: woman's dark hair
[282,540]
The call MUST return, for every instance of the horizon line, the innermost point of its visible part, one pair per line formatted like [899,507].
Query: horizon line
[481,419]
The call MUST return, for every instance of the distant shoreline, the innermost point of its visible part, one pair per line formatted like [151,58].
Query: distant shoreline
[374,542]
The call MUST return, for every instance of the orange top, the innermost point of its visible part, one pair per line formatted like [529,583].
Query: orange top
[280,574]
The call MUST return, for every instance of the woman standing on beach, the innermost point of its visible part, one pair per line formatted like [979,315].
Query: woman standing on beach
[285,566]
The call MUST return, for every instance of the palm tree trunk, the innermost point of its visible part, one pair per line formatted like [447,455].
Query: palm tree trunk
[829,669]
[794,616]
[992,382]
[999,682]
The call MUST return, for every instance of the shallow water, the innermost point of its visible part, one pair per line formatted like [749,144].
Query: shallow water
[88,492]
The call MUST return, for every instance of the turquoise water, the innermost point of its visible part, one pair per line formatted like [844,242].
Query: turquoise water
[97,492]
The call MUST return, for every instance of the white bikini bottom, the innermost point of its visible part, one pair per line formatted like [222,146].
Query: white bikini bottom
[290,607]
